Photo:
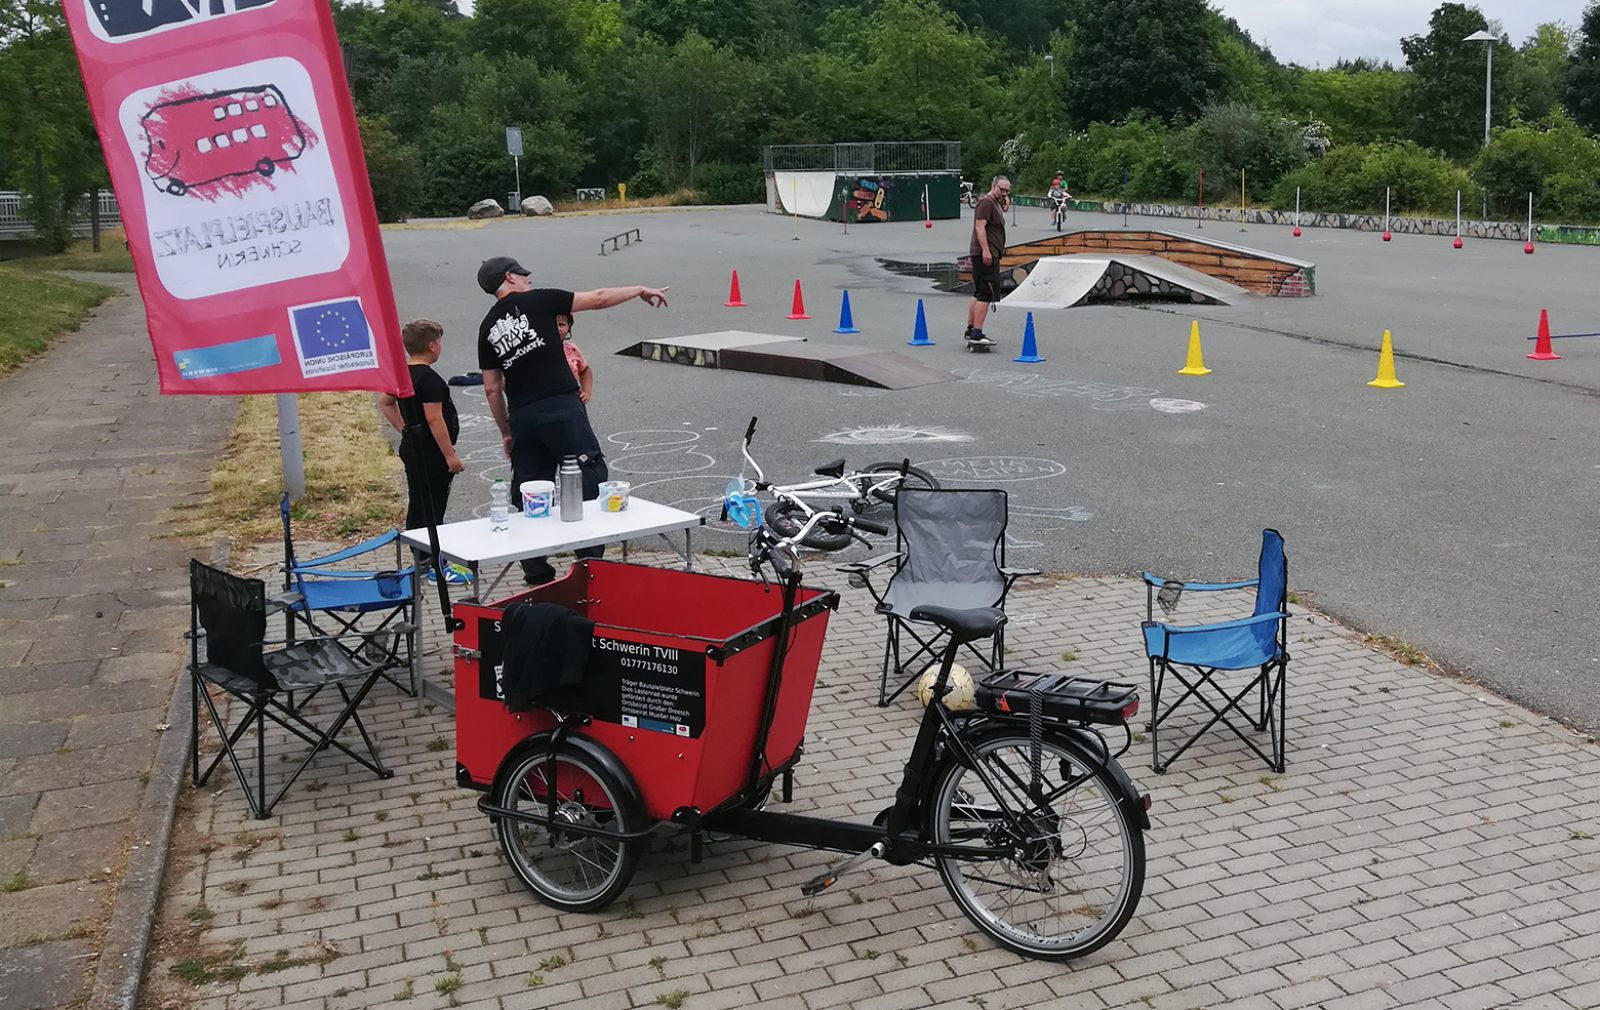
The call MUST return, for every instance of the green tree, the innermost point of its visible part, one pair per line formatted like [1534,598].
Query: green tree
[1536,74]
[1555,160]
[394,168]
[1446,100]
[1157,57]
[1232,137]
[44,118]
[1581,83]
[1360,103]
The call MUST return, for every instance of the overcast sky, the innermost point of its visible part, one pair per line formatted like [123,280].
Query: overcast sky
[1318,32]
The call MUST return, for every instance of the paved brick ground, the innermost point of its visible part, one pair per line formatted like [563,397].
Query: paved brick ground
[1429,847]
[92,602]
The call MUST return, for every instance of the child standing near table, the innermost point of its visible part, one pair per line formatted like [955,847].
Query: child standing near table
[575,359]
[430,458]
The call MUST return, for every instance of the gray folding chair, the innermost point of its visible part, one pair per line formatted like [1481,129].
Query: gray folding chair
[950,551]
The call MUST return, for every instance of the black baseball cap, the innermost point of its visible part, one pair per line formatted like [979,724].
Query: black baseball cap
[493,272]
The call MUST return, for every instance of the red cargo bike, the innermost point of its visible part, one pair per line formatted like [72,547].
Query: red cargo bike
[696,698]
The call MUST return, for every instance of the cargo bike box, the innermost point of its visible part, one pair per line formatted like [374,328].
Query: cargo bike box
[677,679]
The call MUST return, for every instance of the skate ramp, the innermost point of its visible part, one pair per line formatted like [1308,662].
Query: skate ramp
[807,194]
[795,357]
[1061,282]
[1260,272]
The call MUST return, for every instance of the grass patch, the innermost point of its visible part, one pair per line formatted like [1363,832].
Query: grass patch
[113,257]
[281,961]
[16,882]
[438,744]
[1069,656]
[200,914]
[406,991]
[447,984]
[679,198]
[1403,652]
[630,911]
[208,968]
[672,1000]
[555,961]
[354,486]
[659,963]
[40,306]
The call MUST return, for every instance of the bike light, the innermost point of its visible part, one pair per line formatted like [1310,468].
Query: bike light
[1130,709]
[1144,802]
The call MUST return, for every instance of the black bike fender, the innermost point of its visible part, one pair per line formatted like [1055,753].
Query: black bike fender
[1088,748]
[600,754]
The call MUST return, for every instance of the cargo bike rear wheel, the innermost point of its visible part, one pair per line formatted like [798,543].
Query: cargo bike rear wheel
[572,863]
[1076,865]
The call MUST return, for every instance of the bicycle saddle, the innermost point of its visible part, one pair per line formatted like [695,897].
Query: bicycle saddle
[834,469]
[963,625]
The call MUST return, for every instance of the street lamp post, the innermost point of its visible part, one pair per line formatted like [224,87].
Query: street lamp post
[1052,61]
[1488,93]
[1488,78]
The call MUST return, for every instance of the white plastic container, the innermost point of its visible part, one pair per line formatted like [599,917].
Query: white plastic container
[537,496]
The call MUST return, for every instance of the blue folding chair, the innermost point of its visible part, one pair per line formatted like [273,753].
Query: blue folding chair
[1259,643]
[347,596]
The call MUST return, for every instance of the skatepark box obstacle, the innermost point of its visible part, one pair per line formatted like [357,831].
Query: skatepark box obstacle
[865,183]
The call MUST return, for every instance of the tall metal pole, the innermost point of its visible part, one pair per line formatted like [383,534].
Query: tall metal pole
[1488,92]
[516,163]
[294,461]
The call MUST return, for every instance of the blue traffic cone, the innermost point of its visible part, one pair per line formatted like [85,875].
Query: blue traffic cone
[919,336]
[846,323]
[1030,345]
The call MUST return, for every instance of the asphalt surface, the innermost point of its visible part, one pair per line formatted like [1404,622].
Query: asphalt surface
[1456,514]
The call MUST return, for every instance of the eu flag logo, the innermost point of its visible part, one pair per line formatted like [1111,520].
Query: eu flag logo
[332,337]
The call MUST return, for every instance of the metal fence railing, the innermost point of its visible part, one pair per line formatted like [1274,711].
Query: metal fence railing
[14,225]
[922,156]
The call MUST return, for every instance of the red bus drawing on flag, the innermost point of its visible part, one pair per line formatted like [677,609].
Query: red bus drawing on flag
[233,150]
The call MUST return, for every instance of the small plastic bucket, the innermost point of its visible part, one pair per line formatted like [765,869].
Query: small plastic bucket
[536,498]
[614,495]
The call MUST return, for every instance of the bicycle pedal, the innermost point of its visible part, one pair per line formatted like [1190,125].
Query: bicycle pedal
[816,885]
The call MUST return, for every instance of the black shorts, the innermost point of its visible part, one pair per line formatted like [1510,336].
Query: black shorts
[985,279]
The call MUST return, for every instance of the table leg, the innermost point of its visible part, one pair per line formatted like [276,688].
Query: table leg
[688,549]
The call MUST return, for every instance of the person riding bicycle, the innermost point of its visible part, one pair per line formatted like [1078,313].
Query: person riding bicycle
[1058,191]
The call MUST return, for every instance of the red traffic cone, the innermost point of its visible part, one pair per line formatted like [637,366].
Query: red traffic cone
[1528,248]
[799,310]
[1387,236]
[1296,231]
[1457,242]
[1541,347]
[735,299]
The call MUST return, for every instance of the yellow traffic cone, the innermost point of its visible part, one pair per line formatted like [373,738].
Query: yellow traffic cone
[1386,379]
[1196,365]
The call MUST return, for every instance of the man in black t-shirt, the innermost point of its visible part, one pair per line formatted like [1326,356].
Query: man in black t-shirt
[532,393]
[987,247]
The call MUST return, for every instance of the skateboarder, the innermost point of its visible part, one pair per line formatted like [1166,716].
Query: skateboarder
[988,245]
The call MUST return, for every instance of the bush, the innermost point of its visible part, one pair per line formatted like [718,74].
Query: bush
[394,169]
[1554,159]
[1232,136]
[1352,180]
[718,183]
[1158,165]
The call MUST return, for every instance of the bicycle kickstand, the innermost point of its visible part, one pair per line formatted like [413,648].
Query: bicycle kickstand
[816,885]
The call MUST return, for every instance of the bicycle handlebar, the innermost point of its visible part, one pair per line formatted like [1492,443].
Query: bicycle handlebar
[871,527]
[750,432]
[783,553]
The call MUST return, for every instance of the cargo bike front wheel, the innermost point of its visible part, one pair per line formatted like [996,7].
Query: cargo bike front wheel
[571,861]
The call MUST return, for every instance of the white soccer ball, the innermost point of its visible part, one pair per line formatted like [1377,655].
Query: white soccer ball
[962,693]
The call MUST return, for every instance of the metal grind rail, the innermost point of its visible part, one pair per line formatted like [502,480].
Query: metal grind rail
[617,242]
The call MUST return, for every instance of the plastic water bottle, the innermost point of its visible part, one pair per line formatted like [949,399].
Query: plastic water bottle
[570,479]
[499,506]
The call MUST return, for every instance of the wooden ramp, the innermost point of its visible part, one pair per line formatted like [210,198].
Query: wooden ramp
[1256,271]
[794,357]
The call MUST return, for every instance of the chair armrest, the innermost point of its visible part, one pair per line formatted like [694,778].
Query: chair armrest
[1197,587]
[356,550]
[344,574]
[363,636]
[863,567]
[1016,573]
[1196,629]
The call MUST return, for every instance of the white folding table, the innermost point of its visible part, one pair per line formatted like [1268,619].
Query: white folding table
[477,546]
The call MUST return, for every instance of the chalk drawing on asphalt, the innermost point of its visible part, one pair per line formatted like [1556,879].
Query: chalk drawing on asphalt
[894,434]
[1169,405]
[648,438]
[664,461]
[993,468]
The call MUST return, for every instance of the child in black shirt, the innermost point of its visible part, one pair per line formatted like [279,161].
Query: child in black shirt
[431,460]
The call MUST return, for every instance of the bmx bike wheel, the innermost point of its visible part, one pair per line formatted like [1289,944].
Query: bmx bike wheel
[567,870]
[915,477]
[1077,868]
[786,519]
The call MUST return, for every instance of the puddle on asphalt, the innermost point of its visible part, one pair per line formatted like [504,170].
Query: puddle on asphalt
[945,276]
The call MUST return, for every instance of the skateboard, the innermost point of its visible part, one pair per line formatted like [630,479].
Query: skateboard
[983,346]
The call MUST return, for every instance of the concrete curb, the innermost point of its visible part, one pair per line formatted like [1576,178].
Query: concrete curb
[133,915]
